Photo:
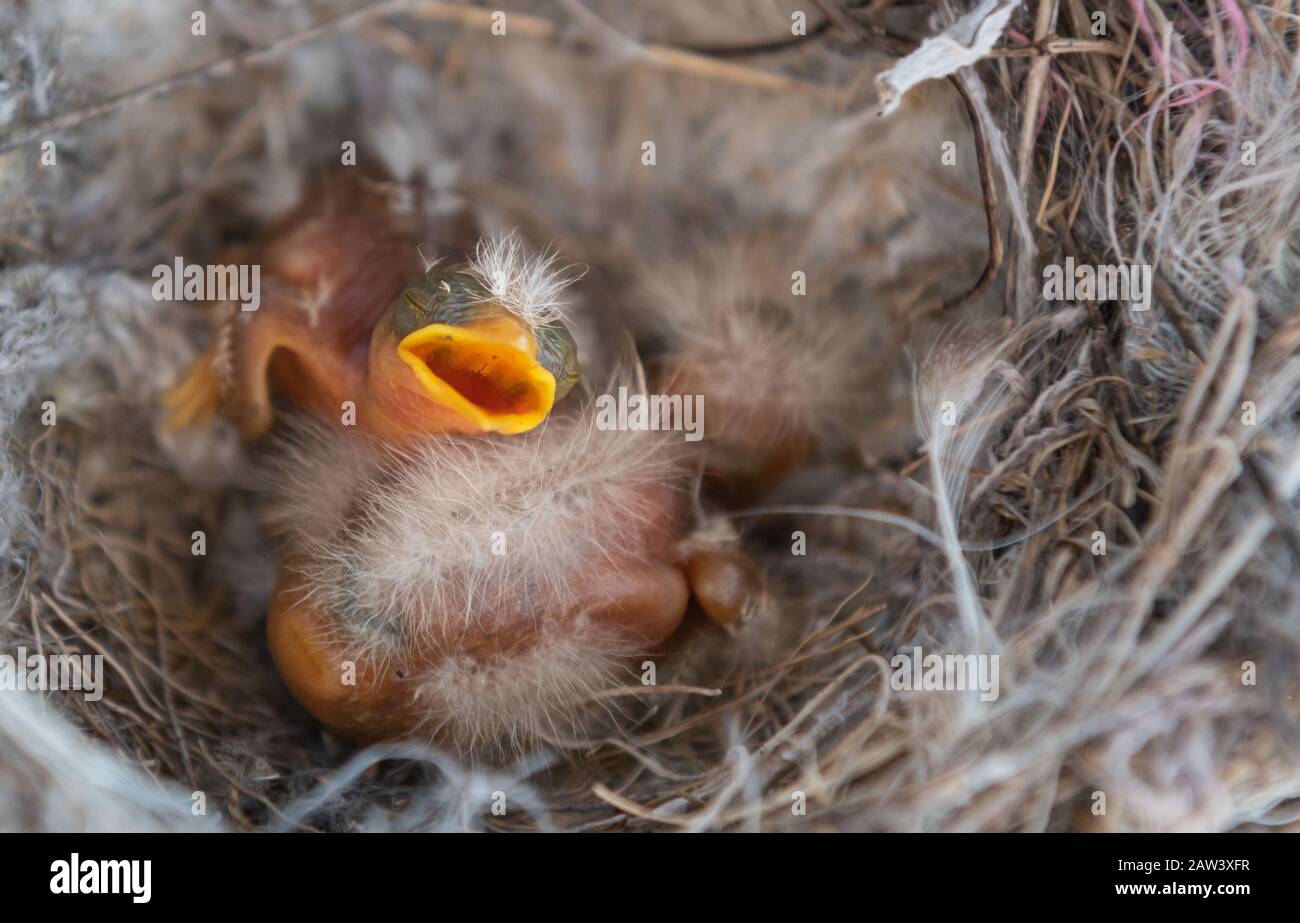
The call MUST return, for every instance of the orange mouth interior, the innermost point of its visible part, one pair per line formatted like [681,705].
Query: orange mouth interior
[486,373]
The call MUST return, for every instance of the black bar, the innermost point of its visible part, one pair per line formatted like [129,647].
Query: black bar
[652,873]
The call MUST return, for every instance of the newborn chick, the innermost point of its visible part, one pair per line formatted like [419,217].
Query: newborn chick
[717,324]
[474,592]
[479,594]
[482,593]
[353,323]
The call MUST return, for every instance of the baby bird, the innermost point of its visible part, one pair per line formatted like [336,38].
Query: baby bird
[352,321]
[445,573]
[478,594]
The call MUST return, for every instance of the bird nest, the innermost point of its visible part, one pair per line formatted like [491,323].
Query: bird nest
[1091,490]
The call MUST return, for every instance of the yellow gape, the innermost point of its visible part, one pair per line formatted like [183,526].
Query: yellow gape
[485,373]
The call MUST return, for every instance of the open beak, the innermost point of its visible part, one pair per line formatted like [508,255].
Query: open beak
[484,373]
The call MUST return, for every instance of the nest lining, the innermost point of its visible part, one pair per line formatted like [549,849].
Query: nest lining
[1122,672]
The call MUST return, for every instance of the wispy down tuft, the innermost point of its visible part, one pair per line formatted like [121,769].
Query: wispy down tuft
[529,286]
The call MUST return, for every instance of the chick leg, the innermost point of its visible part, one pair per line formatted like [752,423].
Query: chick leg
[726,584]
